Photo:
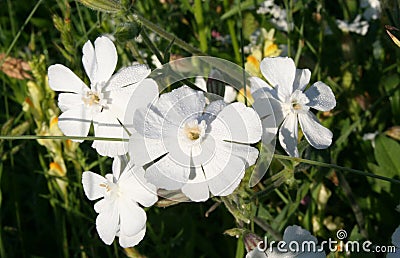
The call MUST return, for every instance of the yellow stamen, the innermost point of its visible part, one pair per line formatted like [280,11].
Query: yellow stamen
[193,133]
[296,106]
[106,186]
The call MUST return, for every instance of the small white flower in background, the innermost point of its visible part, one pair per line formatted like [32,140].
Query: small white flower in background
[279,15]
[370,137]
[104,102]
[193,147]
[119,212]
[292,234]
[155,61]
[357,26]
[265,7]
[396,243]
[372,9]
[230,92]
[290,104]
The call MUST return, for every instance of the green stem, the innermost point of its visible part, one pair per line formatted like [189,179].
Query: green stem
[166,35]
[198,15]
[51,137]
[20,31]
[150,45]
[232,33]
[327,165]
[267,228]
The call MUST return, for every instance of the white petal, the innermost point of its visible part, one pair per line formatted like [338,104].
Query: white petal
[230,94]
[270,111]
[89,60]
[148,123]
[279,71]
[167,174]
[107,223]
[245,152]
[101,205]
[196,187]
[212,110]
[128,76]
[75,122]
[176,144]
[136,187]
[132,217]
[144,150]
[130,241]
[224,172]
[142,96]
[117,101]
[317,135]
[237,123]
[260,89]
[181,103]
[118,165]
[106,58]
[288,135]
[61,78]
[302,79]
[92,185]
[106,125]
[255,253]
[68,101]
[297,234]
[321,97]
[201,83]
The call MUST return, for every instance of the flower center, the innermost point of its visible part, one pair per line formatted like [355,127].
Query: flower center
[112,189]
[95,99]
[91,98]
[194,130]
[296,106]
[299,101]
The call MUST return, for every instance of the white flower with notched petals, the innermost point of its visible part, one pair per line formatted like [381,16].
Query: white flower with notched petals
[357,26]
[293,237]
[290,104]
[119,212]
[372,9]
[396,243]
[193,147]
[104,102]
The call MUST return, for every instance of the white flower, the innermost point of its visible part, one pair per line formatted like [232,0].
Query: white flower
[372,9]
[290,104]
[104,102]
[293,238]
[396,243]
[155,61]
[279,15]
[370,137]
[119,212]
[193,147]
[357,26]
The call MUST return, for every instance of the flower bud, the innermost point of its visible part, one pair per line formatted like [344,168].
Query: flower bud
[251,241]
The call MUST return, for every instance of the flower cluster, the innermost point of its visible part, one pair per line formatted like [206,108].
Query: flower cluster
[181,140]
[278,15]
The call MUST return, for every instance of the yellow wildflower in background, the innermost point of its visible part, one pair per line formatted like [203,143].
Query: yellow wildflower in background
[265,47]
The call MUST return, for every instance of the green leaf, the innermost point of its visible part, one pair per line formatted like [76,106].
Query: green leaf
[387,155]
[243,6]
